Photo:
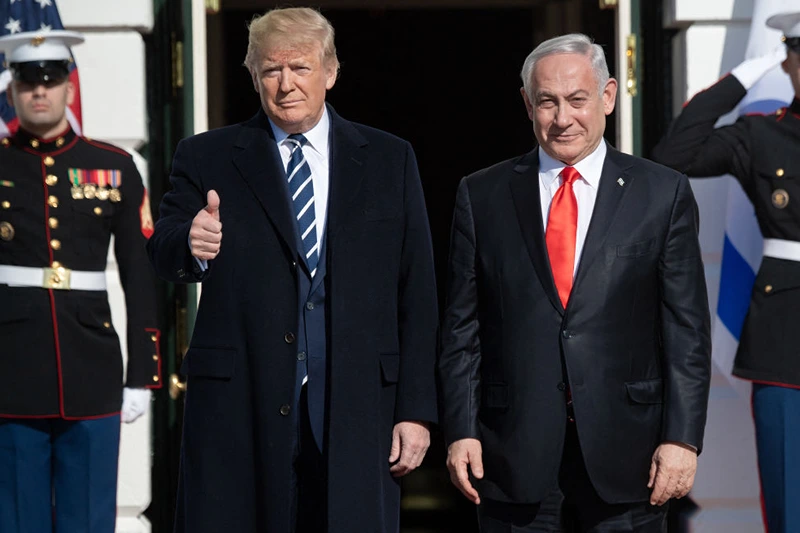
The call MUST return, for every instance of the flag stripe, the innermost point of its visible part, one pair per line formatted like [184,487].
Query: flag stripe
[737,278]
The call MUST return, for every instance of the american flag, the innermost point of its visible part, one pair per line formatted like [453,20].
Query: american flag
[31,15]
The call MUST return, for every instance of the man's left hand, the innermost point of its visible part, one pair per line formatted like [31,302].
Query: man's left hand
[672,472]
[410,441]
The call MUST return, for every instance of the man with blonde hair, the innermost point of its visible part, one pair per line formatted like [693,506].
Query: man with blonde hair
[311,368]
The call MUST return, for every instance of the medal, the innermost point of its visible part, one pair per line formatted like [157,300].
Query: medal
[89,191]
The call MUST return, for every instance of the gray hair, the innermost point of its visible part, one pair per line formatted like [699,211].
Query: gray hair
[573,43]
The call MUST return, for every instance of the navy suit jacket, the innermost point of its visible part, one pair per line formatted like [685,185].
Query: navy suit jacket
[633,342]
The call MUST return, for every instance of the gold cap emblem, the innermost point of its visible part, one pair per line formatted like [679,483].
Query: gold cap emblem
[37,41]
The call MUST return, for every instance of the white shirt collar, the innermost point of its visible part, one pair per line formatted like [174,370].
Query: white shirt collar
[590,167]
[317,136]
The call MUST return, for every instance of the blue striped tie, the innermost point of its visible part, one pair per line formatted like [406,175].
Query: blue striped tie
[301,187]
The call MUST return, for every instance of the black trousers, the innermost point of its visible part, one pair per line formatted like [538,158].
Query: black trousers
[310,476]
[575,507]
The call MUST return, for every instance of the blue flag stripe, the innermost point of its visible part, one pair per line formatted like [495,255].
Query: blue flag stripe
[736,284]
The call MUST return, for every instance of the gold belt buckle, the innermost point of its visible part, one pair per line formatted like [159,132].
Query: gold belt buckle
[56,278]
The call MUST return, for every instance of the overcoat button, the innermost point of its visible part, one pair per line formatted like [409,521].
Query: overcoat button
[562,386]
[289,338]
[286,409]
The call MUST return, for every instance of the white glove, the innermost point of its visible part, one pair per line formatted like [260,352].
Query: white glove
[750,71]
[134,403]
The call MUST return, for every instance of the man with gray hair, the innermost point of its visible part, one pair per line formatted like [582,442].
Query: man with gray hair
[311,370]
[575,352]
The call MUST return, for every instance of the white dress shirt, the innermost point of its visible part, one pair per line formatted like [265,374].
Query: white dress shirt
[316,154]
[585,188]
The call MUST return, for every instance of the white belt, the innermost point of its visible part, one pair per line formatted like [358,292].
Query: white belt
[782,249]
[52,278]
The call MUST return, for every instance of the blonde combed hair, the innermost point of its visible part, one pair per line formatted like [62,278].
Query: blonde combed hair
[293,26]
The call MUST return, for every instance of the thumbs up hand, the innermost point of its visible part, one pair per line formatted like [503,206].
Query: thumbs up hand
[205,235]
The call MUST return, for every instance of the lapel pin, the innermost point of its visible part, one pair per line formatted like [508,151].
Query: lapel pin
[621,182]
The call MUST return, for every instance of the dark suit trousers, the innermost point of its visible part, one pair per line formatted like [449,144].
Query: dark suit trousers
[310,476]
[574,507]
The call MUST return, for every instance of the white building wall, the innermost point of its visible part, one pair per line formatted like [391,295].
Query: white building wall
[111,66]
[712,41]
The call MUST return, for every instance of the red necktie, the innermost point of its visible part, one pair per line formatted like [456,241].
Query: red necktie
[562,225]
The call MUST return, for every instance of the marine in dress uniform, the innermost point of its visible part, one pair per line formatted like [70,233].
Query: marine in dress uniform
[763,153]
[62,196]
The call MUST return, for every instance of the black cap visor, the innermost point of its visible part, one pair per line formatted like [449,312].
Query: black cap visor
[36,72]
[793,44]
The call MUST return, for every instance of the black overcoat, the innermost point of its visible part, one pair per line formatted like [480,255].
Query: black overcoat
[238,435]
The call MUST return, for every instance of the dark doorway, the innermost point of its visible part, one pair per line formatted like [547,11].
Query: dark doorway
[447,80]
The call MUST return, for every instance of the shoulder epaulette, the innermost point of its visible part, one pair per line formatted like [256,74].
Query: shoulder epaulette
[105,146]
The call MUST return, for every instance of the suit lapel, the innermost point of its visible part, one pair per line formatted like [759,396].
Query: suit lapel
[610,194]
[527,202]
[259,163]
[346,171]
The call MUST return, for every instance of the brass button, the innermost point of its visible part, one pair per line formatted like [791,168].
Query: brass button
[34,143]
[5,142]
[98,211]
[52,201]
[6,231]
[51,180]
[52,222]
[55,264]
[155,378]
[49,161]
[289,338]
[155,357]
[153,338]
[286,409]
[768,289]
[779,172]
[106,325]
[60,142]
[55,244]
[6,204]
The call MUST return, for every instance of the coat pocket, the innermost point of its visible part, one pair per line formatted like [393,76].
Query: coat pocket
[636,248]
[648,391]
[209,362]
[390,367]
